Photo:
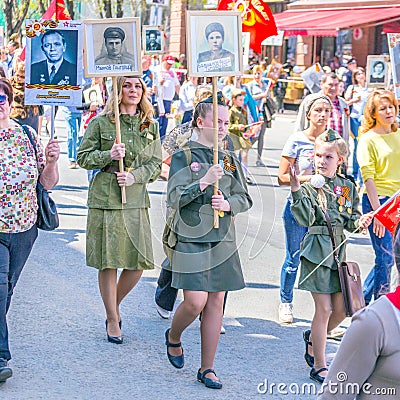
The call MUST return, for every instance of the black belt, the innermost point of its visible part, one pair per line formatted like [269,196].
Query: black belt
[111,169]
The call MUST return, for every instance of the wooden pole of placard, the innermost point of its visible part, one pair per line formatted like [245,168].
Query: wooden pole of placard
[118,132]
[215,152]
[53,117]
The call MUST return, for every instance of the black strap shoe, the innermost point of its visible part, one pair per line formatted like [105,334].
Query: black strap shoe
[208,382]
[176,361]
[5,370]
[309,358]
[315,375]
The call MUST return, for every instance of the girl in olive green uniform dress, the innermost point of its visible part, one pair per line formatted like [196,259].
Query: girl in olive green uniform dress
[118,235]
[338,197]
[205,262]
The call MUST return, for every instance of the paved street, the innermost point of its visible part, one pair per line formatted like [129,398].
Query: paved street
[57,331]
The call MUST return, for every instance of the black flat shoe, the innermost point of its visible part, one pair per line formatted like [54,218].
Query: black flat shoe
[176,361]
[208,382]
[315,375]
[309,358]
[5,370]
[114,339]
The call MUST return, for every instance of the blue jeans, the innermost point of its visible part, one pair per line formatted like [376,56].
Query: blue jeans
[14,251]
[293,235]
[163,120]
[354,125]
[377,282]
[73,125]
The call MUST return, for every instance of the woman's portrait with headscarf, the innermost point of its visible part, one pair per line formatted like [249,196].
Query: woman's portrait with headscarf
[216,58]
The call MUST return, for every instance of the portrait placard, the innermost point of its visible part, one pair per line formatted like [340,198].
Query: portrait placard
[153,42]
[246,48]
[214,48]
[112,47]
[394,52]
[312,77]
[164,3]
[377,71]
[53,72]
[274,70]
[93,95]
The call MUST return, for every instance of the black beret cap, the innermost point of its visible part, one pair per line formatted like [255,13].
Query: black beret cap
[116,33]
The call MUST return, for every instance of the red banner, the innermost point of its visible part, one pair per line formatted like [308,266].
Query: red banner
[56,11]
[389,213]
[256,18]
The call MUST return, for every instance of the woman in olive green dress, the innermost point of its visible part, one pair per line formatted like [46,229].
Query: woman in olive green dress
[336,196]
[118,235]
[205,262]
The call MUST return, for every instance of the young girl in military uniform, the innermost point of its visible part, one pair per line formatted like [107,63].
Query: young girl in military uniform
[337,196]
[238,128]
[119,235]
[205,262]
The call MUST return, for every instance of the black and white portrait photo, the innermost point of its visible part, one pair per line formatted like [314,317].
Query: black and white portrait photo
[312,77]
[152,40]
[53,58]
[54,54]
[157,2]
[377,71]
[112,47]
[394,52]
[214,43]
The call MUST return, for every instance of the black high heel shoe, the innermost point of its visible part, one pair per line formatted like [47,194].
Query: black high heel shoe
[315,375]
[176,361]
[208,382]
[114,339]
[309,358]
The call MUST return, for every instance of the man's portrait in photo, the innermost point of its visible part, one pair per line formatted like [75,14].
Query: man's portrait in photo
[153,42]
[114,48]
[55,69]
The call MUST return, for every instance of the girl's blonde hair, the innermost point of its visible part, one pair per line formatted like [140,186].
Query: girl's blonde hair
[146,111]
[369,120]
[341,148]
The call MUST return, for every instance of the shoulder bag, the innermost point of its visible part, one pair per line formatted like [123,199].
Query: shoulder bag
[350,278]
[47,217]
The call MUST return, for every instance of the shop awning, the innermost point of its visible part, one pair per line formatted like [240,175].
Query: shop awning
[329,22]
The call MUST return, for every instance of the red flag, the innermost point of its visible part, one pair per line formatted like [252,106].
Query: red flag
[256,18]
[57,11]
[389,213]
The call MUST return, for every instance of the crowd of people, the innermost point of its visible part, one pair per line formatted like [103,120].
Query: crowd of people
[204,261]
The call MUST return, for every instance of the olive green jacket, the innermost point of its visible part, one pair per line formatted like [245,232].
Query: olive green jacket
[316,244]
[238,115]
[194,215]
[143,156]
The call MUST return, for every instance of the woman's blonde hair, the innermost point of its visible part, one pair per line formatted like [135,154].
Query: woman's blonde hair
[369,120]
[146,111]
[341,148]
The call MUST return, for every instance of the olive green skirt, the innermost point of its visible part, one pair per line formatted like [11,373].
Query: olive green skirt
[207,267]
[323,281]
[119,239]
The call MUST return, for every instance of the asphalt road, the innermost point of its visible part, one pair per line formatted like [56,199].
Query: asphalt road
[56,320]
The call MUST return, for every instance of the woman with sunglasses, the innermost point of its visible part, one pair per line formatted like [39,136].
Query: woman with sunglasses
[205,262]
[21,166]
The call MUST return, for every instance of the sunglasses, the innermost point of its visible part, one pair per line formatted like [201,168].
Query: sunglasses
[3,99]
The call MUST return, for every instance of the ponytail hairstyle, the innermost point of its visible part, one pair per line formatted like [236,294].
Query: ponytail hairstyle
[205,106]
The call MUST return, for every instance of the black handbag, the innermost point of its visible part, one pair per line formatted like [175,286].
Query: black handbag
[47,217]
